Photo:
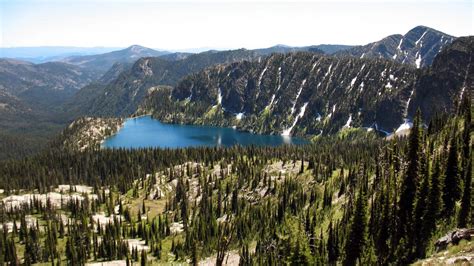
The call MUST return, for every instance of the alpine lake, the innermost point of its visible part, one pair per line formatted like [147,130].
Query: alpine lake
[145,132]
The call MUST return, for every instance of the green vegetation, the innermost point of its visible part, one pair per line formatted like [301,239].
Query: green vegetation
[353,199]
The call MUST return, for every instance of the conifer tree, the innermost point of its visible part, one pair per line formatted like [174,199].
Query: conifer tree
[332,245]
[420,210]
[466,207]
[357,233]
[451,188]
[410,182]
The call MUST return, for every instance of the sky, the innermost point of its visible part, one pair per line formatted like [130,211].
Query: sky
[225,24]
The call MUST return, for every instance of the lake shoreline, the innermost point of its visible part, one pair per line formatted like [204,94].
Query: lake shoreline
[150,132]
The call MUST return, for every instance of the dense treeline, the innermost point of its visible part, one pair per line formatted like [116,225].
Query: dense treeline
[121,166]
[350,199]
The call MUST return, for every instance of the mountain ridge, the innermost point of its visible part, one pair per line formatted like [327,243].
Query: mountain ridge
[309,94]
[103,62]
[417,47]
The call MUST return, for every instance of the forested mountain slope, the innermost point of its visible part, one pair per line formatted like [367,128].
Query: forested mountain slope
[297,94]
[42,85]
[304,93]
[122,96]
[352,199]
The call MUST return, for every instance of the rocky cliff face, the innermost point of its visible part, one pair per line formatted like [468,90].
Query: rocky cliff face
[292,94]
[418,47]
[310,94]
[451,75]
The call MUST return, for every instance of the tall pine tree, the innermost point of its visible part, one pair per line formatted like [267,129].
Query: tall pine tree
[358,231]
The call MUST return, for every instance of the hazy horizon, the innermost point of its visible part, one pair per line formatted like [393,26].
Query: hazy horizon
[181,26]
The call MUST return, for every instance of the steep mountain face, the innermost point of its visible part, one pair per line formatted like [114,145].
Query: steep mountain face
[418,47]
[103,62]
[114,72]
[122,96]
[42,85]
[291,94]
[310,94]
[451,75]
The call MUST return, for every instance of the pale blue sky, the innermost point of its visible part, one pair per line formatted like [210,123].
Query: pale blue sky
[175,25]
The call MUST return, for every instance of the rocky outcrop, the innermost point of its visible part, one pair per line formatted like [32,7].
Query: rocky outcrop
[89,132]
[454,237]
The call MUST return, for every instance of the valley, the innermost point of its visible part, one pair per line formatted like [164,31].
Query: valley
[207,205]
[324,154]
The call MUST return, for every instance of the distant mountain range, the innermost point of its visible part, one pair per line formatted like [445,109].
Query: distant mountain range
[103,62]
[418,47]
[322,48]
[122,96]
[116,83]
[44,54]
[43,85]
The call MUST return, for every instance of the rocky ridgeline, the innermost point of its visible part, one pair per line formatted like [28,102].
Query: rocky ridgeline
[418,47]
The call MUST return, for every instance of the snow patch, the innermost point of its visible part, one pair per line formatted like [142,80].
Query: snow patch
[418,60]
[408,102]
[287,132]
[348,123]
[353,81]
[314,65]
[333,110]
[271,102]
[405,126]
[423,35]
[239,116]
[400,45]
[329,71]
[260,79]
[219,97]
[297,96]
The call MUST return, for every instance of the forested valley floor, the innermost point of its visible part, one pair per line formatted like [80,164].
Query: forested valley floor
[349,199]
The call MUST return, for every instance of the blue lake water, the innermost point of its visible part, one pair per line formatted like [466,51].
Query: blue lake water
[144,131]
